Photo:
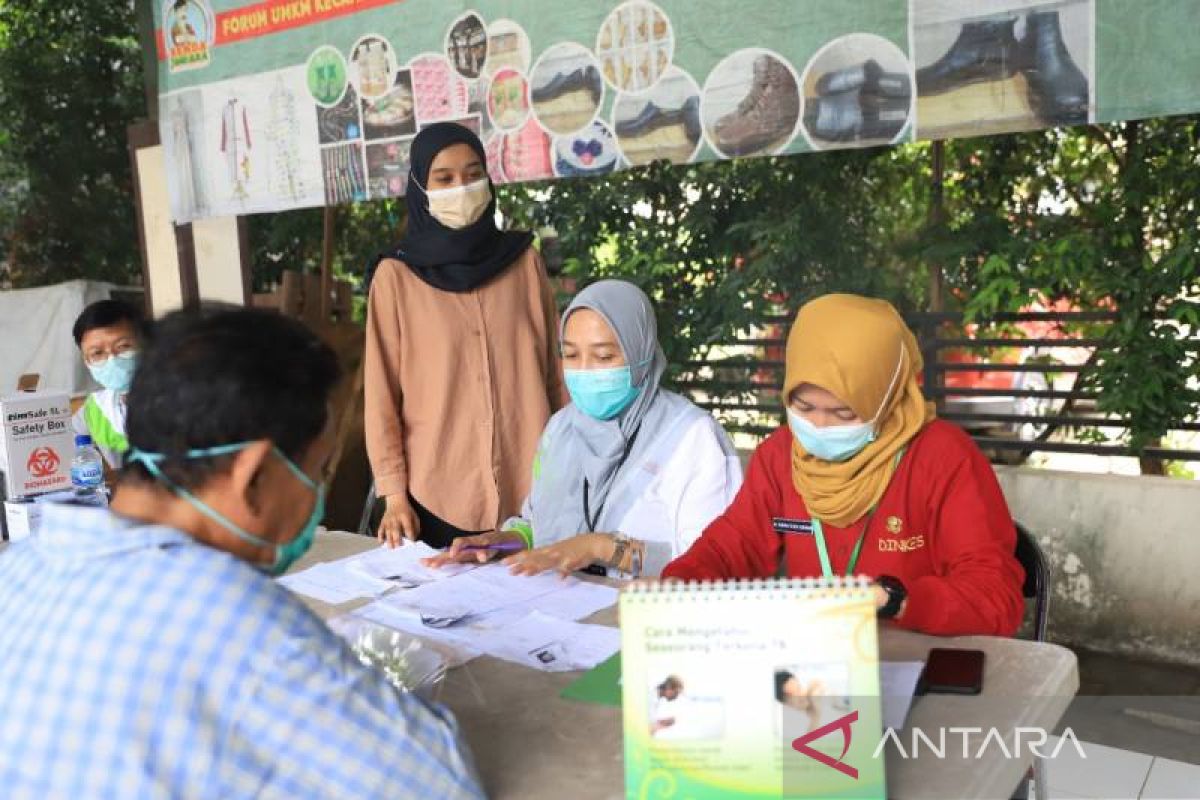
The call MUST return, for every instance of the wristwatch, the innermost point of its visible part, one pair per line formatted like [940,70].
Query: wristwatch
[896,594]
[620,545]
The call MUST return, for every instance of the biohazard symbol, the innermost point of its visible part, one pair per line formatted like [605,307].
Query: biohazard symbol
[43,462]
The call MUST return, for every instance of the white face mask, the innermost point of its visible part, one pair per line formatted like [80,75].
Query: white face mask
[460,206]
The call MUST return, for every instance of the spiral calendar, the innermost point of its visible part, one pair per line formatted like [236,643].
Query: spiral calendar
[751,689]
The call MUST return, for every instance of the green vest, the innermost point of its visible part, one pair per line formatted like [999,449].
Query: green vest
[101,428]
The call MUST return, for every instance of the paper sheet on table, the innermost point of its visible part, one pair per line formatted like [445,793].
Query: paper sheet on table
[573,604]
[897,683]
[459,641]
[492,590]
[386,565]
[328,583]
[550,644]
[369,574]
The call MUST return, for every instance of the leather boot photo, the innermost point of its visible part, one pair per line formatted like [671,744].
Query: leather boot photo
[767,114]
[868,76]
[855,116]
[1058,89]
[983,51]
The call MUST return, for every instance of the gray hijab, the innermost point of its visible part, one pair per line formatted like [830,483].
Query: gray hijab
[578,447]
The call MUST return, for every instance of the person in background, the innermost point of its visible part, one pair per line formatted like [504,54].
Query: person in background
[109,334]
[865,481]
[629,474]
[461,365]
[147,650]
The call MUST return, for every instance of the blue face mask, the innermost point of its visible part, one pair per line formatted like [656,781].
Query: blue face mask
[602,393]
[285,554]
[840,442]
[116,373]
[834,443]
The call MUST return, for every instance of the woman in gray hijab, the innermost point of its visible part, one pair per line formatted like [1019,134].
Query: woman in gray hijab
[628,475]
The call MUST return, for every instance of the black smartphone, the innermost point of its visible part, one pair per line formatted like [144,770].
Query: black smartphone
[952,671]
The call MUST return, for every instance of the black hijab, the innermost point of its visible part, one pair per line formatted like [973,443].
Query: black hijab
[448,259]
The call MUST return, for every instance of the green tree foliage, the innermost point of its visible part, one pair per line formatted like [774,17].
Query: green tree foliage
[70,83]
[293,240]
[1105,217]
[719,246]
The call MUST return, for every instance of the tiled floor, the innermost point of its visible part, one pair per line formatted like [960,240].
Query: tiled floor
[1137,705]
[1139,723]
[1172,779]
[1108,773]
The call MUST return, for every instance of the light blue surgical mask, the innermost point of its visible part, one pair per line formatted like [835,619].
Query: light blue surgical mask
[602,393]
[285,554]
[116,372]
[833,443]
[840,442]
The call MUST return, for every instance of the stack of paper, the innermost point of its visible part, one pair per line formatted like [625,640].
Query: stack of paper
[470,610]
[329,583]
[501,614]
[369,574]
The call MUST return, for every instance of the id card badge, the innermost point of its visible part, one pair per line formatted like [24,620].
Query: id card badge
[785,526]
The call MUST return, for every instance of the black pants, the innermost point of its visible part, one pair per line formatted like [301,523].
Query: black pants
[435,531]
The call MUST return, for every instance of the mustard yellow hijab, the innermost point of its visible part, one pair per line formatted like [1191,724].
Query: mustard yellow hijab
[858,349]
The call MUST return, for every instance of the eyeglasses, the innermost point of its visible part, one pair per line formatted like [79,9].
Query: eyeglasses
[99,356]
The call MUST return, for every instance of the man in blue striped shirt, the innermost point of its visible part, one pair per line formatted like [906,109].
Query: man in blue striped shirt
[145,651]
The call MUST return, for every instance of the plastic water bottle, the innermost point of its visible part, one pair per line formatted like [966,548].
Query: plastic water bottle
[87,469]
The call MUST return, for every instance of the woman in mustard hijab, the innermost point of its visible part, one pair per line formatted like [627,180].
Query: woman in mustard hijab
[866,481]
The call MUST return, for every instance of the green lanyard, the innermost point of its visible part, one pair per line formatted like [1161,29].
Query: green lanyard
[823,549]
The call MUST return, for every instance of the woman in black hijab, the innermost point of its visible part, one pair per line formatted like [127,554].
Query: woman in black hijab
[448,257]
[462,368]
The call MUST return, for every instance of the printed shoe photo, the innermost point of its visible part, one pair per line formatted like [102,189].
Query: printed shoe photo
[1058,89]
[983,51]
[651,118]
[766,115]
[583,79]
[855,116]
[868,76]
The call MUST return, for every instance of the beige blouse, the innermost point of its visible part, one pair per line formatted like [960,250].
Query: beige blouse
[458,387]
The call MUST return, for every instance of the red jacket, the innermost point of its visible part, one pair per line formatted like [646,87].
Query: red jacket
[942,528]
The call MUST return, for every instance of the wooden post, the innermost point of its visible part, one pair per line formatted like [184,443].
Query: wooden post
[326,305]
[936,219]
[291,293]
[146,22]
[243,232]
[189,282]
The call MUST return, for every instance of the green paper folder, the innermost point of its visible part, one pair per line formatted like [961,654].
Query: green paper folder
[601,684]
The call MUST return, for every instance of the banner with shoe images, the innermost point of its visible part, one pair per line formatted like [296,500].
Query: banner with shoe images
[270,105]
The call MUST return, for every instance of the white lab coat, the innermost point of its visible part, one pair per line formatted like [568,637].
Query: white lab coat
[669,494]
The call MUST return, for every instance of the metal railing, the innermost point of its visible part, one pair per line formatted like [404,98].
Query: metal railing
[1015,382]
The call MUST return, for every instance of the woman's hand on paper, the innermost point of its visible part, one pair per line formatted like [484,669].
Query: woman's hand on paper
[565,557]
[399,521]
[471,549]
